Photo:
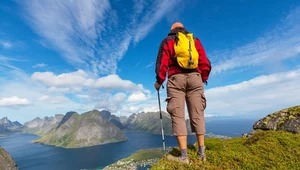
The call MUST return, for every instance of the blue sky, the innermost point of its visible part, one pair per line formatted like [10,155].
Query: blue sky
[57,56]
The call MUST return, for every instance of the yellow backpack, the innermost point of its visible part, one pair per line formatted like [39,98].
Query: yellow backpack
[186,53]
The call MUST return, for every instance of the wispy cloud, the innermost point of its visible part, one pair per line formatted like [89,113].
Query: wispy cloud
[40,65]
[149,65]
[88,33]
[157,10]
[6,44]
[281,43]
[137,64]
[8,70]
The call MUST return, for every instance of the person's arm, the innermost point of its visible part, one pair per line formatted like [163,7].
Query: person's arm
[162,62]
[204,63]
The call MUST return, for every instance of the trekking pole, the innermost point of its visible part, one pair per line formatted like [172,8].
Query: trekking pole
[162,129]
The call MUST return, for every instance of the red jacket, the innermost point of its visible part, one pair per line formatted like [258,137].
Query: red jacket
[165,63]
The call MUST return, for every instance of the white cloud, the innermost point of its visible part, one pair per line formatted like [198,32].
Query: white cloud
[40,65]
[14,101]
[24,88]
[119,97]
[279,44]
[54,99]
[65,79]
[137,97]
[107,101]
[65,89]
[77,79]
[88,33]
[258,96]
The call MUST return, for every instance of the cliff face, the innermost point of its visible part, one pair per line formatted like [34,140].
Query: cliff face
[83,130]
[6,162]
[287,119]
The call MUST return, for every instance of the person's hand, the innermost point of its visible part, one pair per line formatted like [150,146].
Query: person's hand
[157,86]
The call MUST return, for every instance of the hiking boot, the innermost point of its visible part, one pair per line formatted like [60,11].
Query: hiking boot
[178,159]
[202,157]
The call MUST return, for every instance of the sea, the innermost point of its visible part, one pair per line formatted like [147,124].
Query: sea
[33,156]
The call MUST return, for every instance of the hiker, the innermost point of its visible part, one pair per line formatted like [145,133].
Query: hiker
[185,62]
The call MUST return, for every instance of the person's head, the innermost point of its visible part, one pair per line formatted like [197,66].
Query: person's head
[177,24]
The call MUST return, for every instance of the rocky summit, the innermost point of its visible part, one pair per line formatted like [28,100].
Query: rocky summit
[287,119]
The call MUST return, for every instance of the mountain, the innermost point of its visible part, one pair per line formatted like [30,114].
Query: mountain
[123,119]
[287,119]
[42,126]
[112,118]
[7,126]
[6,161]
[149,122]
[6,123]
[16,123]
[87,129]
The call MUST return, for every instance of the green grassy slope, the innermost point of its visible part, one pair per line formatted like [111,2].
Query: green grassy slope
[264,150]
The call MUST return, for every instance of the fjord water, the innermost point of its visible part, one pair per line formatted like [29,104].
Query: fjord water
[31,156]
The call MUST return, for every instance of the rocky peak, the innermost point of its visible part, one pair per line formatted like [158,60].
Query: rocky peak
[105,114]
[123,119]
[66,118]
[57,118]
[46,118]
[33,123]
[131,118]
[16,123]
[6,122]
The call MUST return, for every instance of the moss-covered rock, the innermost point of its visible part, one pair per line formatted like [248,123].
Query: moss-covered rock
[287,119]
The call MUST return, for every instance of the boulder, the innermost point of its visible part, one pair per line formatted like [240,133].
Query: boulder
[287,119]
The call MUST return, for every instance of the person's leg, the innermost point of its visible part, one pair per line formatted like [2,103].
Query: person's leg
[196,104]
[200,140]
[175,107]
[201,147]
[182,143]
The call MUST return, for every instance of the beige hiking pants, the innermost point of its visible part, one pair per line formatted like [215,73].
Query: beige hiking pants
[186,87]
